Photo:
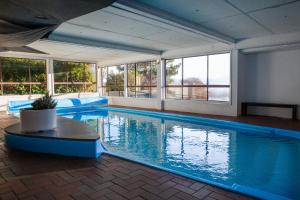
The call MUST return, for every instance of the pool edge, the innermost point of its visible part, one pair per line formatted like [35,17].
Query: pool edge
[237,188]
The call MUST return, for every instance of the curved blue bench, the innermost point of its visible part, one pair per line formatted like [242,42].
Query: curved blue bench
[63,105]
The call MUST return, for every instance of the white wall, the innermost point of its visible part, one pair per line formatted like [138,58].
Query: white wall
[273,77]
[148,103]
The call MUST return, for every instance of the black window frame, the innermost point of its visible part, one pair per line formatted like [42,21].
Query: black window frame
[207,85]
[150,86]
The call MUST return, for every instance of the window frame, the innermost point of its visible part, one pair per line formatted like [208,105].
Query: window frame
[135,86]
[116,85]
[182,86]
[29,82]
[74,83]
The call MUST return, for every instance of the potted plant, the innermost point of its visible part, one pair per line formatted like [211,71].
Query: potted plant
[41,116]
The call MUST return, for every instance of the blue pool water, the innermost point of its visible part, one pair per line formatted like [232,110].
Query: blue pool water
[250,160]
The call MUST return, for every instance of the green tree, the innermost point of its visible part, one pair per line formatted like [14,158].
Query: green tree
[74,77]
[17,73]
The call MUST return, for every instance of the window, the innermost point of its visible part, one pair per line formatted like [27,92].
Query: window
[200,78]
[74,77]
[174,78]
[20,76]
[142,79]
[113,80]
[219,77]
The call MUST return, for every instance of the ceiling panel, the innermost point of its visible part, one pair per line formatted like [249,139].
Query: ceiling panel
[115,26]
[105,21]
[55,48]
[250,5]
[195,10]
[114,37]
[282,19]
[179,39]
[239,27]
[85,53]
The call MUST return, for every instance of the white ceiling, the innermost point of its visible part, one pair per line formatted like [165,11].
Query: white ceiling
[238,19]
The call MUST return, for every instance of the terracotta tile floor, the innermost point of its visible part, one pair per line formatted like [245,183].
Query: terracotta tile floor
[39,176]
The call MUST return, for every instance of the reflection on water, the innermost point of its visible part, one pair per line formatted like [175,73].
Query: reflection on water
[226,156]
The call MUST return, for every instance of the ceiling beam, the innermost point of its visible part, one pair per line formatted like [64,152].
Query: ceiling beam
[100,44]
[166,17]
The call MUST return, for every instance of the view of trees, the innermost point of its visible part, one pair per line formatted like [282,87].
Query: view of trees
[22,76]
[73,77]
[201,77]
[142,79]
[113,80]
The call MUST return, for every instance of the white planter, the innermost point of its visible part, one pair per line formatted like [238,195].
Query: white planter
[38,120]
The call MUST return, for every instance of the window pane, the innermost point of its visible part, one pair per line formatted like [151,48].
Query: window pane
[219,69]
[131,91]
[173,93]
[104,91]
[20,89]
[112,90]
[154,67]
[24,70]
[219,94]
[104,76]
[74,77]
[131,75]
[153,92]
[195,70]
[199,93]
[173,72]
[115,75]
[143,74]
[39,89]
[143,92]
[114,82]
[15,70]
[16,89]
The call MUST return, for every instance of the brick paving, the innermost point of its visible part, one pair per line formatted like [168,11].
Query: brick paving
[26,175]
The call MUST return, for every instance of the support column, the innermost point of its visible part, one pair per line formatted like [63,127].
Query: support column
[50,76]
[162,80]
[125,81]
[99,80]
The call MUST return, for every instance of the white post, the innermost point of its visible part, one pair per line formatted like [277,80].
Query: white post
[162,80]
[125,81]
[99,80]
[50,76]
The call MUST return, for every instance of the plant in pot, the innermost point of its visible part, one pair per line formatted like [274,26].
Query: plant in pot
[41,116]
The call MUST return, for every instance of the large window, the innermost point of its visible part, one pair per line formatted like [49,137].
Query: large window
[142,79]
[113,80]
[20,76]
[74,77]
[200,78]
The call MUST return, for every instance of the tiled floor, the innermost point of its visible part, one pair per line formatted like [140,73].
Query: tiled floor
[37,176]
